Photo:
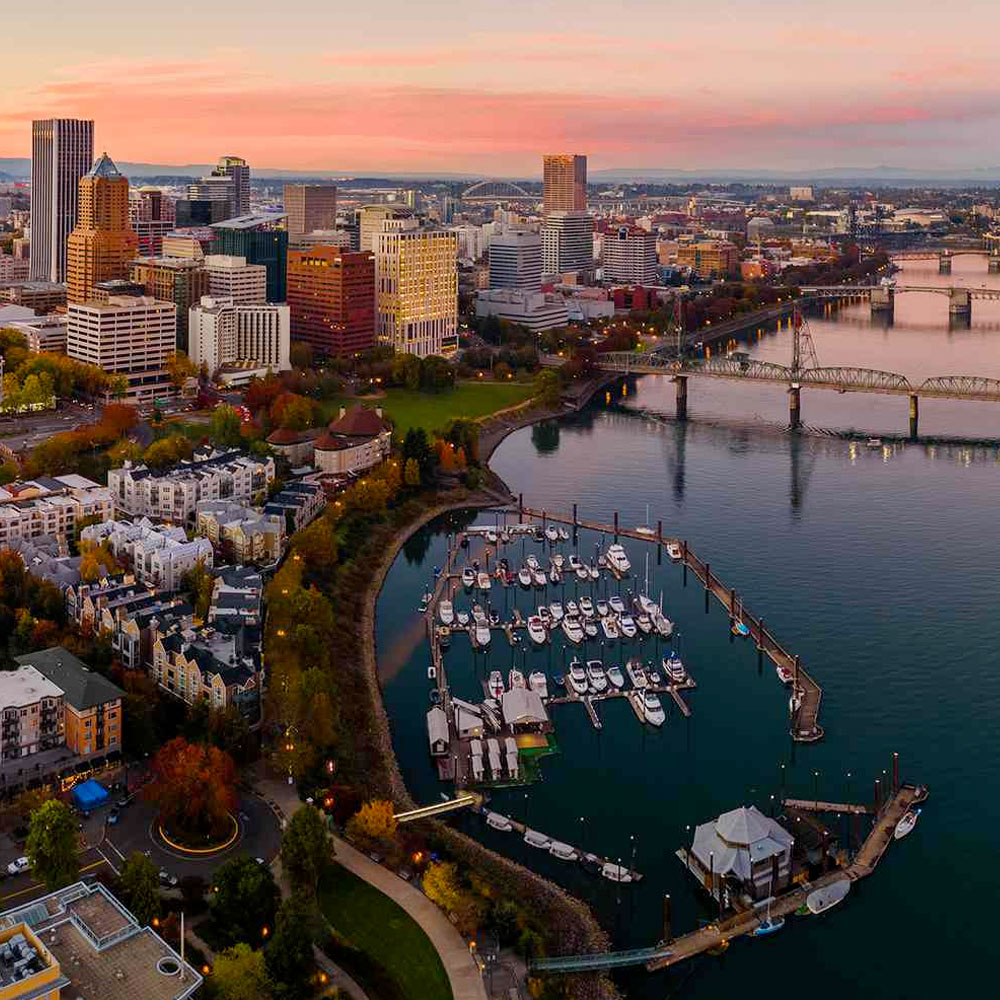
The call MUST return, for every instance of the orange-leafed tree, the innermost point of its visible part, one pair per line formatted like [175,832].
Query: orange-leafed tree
[194,787]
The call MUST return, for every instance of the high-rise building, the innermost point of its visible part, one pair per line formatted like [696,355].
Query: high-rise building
[237,169]
[564,183]
[217,187]
[370,219]
[709,258]
[310,207]
[223,334]
[233,278]
[202,211]
[261,239]
[180,280]
[188,241]
[416,287]
[516,260]
[331,293]
[628,254]
[62,151]
[103,242]
[567,243]
[130,335]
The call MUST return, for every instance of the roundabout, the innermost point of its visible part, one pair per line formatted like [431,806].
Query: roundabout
[222,845]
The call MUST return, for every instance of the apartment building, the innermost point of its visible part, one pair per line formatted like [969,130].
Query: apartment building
[50,505]
[31,713]
[628,255]
[709,259]
[233,278]
[237,342]
[297,504]
[240,532]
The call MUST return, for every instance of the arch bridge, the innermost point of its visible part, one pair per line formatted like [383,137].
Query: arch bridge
[497,190]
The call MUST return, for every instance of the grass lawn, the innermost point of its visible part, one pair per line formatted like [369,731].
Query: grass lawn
[468,399]
[376,925]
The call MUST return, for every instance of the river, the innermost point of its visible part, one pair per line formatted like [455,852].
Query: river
[877,565]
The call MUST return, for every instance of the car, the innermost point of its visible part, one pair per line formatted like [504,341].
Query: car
[260,861]
[167,879]
[18,866]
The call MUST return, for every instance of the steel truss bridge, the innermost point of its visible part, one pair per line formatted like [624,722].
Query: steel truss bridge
[840,378]
[497,190]
[864,291]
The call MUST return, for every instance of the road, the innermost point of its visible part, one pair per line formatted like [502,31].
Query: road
[16,890]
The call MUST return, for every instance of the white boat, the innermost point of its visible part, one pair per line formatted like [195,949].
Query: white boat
[795,701]
[905,826]
[563,535]
[572,608]
[674,551]
[546,616]
[444,635]
[483,581]
[446,613]
[556,610]
[674,667]
[468,578]
[524,576]
[596,677]
[539,578]
[555,577]
[652,709]
[536,630]
[828,896]
[432,672]
[646,605]
[590,628]
[610,628]
[617,559]
[582,573]
[515,679]
[572,628]
[615,676]
[483,636]
[616,604]
[504,536]
[532,563]
[577,677]
[495,684]
[873,443]
[627,625]
[558,560]
[587,607]
[785,674]
[663,625]
[594,572]
[479,615]
[644,624]
[498,822]
[574,562]
[636,674]
[539,683]
[616,873]
[552,533]
[602,609]
[535,839]
[462,617]
[491,537]
[564,852]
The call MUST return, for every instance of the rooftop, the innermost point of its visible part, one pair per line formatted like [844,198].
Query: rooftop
[82,687]
[259,220]
[25,686]
[104,166]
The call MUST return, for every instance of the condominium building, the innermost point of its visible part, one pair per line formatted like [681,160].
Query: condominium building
[188,241]
[62,151]
[564,177]
[238,171]
[370,219]
[310,207]
[331,294]
[31,713]
[709,259]
[130,335]
[215,188]
[43,333]
[628,254]
[13,269]
[240,532]
[173,494]
[297,504]
[567,242]
[261,239]
[416,275]
[149,234]
[233,278]
[103,242]
[239,341]
[180,280]
[516,260]
[50,505]
[41,296]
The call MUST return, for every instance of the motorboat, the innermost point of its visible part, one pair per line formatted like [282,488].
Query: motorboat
[495,684]
[432,672]
[596,676]
[552,533]
[587,607]
[602,608]
[563,534]
[663,625]
[555,577]
[535,839]
[425,601]
[825,898]
[574,562]
[539,578]
[644,624]
[483,580]
[564,852]
[572,629]
[462,617]
[636,673]
[482,636]
[795,700]
[645,605]
[602,562]
[610,627]
[556,610]
[769,925]
[615,676]
[616,604]
[446,612]
[577,677]
[905,826]
[590,629]
[479,615]
[627,625]
[537,630]
[785,674]
[741,629]
[652,709]
[673,666]
[654,677]
[557,560]
[582,573]
[572,608]
[468,578]
[515,679]
[532,563]
[494,619]
[617,559]
[524,576]
[538,682]
[593,572]
[615,873]
[504,536]
[674,551]
[498,822]
[491,537]
[546,616]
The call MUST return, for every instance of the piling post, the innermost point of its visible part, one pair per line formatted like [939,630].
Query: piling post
[684,560]
[895,772]
[794,407]
[708,588]
[520,508]
[616,526]
[667,930]
[574,517]
[914,415]
[681,382]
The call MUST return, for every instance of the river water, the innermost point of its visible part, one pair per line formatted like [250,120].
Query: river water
[877,565]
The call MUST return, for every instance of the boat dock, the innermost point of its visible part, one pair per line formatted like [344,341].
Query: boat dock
[807,694]
[816,805]
[588,700]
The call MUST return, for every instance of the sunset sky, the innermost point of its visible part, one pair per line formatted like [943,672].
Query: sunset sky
[487,87]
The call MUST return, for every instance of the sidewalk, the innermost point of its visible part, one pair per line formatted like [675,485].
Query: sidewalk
[463,973]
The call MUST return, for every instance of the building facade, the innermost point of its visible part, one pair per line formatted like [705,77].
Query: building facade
[370,219]
[536,311]
[516,260]
[224,334]
[233,278]
[709,259]
[356,441]
[50,506]
[62,151]
[172,279]
[564,182]
[31,713]
[331,294]
[567,243]
[628,254]
[238,171]
[260,239]
[310,207]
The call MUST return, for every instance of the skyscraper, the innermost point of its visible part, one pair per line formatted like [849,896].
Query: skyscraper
[236,168]
[565,183]
[62,150]
[516,260]
[261,239]
[628,254]
[567,242]
[310,207]
[370,219]
[103,242]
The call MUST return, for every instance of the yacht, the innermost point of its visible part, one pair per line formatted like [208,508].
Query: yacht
[616,604]
[574,562]
[616,873]
[645,605]
[610,627]
[590,629]
[462,617]
[785,674]
[539,577]
[537,630]
[652,709]
[563,851]
[828,896]
[905,826]
[644,624]
[552,533]
[557,560]
[572,608]
[524,576]
[627,626]
[555,577]
[491,537]
[663,625]
[478,615]
[556,610]
[563,535]
[546,616]
[603,609]
[504,536]
[674,667]
[654,677]
[498,822]
[636,673]
[483,580]
[515,679]
[587,607]
[535,839]
[468,578]
[593,572]
[495,684]
[674,551]
[532,563]
[577,677]
[482,636]
[582,573]
[539,683]
[595,675]
[617,559]
[446,612]
[572,628]
[616,677]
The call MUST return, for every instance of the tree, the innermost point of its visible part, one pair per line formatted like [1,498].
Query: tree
[300,354]
[289,955]
[416,446]
[224,427]
[140,887]
[239,973]
[440,885]
[52,844]
[405,371]
[548,391]
[411,473]
[306,850]
[436,374]
[180,368]
[199,584]
[375,820]
[244,901]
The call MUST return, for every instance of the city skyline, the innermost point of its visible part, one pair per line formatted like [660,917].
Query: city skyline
[785,87]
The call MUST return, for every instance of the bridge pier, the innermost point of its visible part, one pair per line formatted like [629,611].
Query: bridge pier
[794,406]
[681,382]
[944,264]
[993,265]
[883,300]
[960,302]
[914,415]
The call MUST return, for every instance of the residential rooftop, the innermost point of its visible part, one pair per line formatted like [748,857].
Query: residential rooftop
[83,688]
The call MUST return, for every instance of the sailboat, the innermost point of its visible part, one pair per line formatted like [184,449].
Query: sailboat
[769,925]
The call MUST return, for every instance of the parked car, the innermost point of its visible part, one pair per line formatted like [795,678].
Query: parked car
[18,866]
[167,879]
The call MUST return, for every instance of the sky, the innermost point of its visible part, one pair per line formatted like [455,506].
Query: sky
[488,86]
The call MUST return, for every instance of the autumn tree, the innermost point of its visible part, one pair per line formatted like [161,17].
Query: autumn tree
[306,850]
[225,427]
[375,821]
[199,583]
[180,368]
[244,901]
[239,973]
[168,451]
[547,389]
[52,844]
[442,886]
[139,884]
[411,473]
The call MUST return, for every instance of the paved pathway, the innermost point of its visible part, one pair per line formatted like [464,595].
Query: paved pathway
[463,973]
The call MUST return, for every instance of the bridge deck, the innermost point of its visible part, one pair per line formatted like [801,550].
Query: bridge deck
[601,960]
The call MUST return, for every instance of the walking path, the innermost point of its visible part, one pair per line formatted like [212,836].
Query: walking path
[463,973]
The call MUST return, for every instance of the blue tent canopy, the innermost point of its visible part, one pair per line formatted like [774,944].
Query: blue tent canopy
[89,795]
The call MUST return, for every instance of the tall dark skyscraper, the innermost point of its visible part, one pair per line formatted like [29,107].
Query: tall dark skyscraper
[238,169]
